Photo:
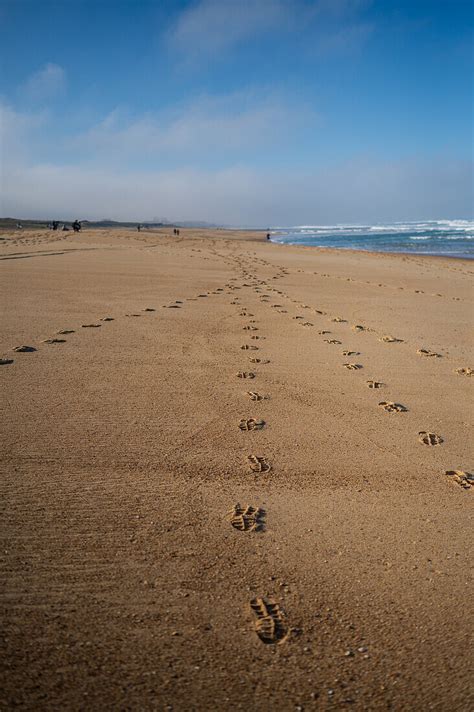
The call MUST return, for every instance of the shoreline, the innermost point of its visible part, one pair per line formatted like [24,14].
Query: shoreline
[376,252]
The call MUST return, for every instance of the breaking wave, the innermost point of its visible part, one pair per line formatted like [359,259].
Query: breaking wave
[438,237]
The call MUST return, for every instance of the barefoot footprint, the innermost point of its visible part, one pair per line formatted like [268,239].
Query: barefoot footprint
[251,424]
[93,326]
[259,360]
[466,371]
[351,353]
[54,341]
[247,519]
[258,464]
[245,374]
[352,366]
[429,438]
[332,341]
[269,625]
[249,347]
[391,407]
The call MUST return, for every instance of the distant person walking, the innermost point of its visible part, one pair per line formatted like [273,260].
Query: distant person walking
[76,226]
[139,227]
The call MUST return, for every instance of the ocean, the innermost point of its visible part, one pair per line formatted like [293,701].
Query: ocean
[451,238]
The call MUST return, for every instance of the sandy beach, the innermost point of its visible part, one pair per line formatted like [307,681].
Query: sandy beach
[224,474]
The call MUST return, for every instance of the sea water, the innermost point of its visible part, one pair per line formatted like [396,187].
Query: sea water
[451,238]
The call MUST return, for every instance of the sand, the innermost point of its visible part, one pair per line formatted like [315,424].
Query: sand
[147,562]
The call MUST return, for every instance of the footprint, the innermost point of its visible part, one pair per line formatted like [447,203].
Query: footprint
[249,347]
[351,353]
[318,311]
[130,315]
[247,519]
[5,361]
[298,317]
[258,360]
[332,341]
[92,326]
[251,424]
[359,327]
[393,407]
[254,396]
[147,309]
[463,479]
[107,318]
[465,371]
[250,328]
[339,320]
[282,311]
[24,349]
[66,331]
[245,374]
[391,340]
[54,341]
[258,464]
[168,306]
[429,438]
[375,384]
[306,323]
[269,625]
[352,366]
[323,332]
[427,352]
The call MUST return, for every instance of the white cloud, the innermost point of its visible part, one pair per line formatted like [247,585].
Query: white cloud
[362,190]
[16,130]
[209,127]
[208,27]
[44,84]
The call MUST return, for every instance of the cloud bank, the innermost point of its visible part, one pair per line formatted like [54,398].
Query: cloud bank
[358,191]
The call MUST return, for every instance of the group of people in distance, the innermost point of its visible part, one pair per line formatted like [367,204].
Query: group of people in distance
[54,225]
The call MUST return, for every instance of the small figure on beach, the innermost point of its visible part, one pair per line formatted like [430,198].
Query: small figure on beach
[76,226]
[55,225]
[19,226]
[268,235]
[139,227]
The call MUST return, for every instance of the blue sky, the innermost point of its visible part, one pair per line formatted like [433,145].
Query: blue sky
[257,112]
